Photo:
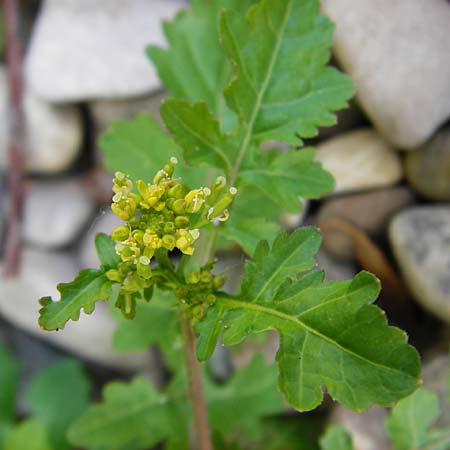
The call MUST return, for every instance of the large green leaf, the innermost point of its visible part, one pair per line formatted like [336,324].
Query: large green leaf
[132,414]
[139,147]
[82,293]
[336,438]
[29,435]
[331,335]
[194,65]
[198,133]
[57,396]
[281,87]
[410,420]
[287,176]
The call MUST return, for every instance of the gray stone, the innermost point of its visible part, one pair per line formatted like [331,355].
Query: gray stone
[89,338]
[333,268]
[104,112]
[428,168]
[400,64]
[104,222]
[420,239]
[55,212]
[435,375]
[366,428]
[369,211]
[83,49]
[54,133]
[360,160]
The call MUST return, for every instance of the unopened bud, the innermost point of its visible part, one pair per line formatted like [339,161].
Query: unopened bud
[182,222]
[219,281]
[114,275]
[193,277]
[168,241]
[179,206]
[120,233]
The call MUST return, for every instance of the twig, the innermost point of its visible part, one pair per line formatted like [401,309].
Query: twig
[16,150]
[196,389]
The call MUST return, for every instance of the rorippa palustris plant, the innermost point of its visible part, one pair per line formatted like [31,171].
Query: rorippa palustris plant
[245,74]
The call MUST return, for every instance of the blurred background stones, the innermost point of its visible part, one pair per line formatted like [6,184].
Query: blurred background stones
[85,66]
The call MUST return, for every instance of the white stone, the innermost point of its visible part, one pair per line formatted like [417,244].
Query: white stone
[420,239]
[396,51]
[90,337]
[105,222]
[55,212]
[84,49]
[360,160]
[54,133]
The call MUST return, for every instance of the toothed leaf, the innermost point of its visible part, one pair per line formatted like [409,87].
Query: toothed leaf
[82,293]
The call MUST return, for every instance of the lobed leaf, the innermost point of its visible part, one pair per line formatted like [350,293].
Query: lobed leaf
[281,88]
[57,396]
[287,176]
[83,292]
[331,335]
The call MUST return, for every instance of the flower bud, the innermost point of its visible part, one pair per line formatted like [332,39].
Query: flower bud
[198,312]
[143,269]
[168,241]
[219,281]
[179,206]
[120,233]
[114,275]
[210,299]
[169,228]
[182,222]
[193,277]
[177,191]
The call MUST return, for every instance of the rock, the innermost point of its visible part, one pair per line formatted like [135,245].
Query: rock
[420,239]
[435,374]
[366,428]
[104,112]
[105,222]
[360,160]
[334,269]
[89,338]
[54,133]
[428,168]
[369,211]
[106,40]
[55,212]
[391,52]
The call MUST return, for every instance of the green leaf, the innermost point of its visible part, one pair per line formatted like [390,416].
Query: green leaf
[336,438]
[9,379]
[164,331]
[409,422]
[331,335]
[253,386]
[29,435]
[83,292]
[288,176]
[248,232]
[57,396]
[198,133]
[194,65]
[132,414]
[106,251]
[139,147]
[281,88]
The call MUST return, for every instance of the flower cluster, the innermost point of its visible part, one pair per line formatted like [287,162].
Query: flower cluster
[199,292]
[161,216]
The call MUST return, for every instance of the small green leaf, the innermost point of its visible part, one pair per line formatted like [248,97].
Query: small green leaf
[288,176]
[248,232]
[164,331]
[336,438]
[83,292]
[139,147]
[57,396]
[198,133]
[132,414]
[331,335]
[281,87]
[410,420]
[106,252]
[9,379]
[29,435]
[253,386]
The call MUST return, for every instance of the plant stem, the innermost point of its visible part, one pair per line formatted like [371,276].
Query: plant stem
[196,389]
[16,150]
